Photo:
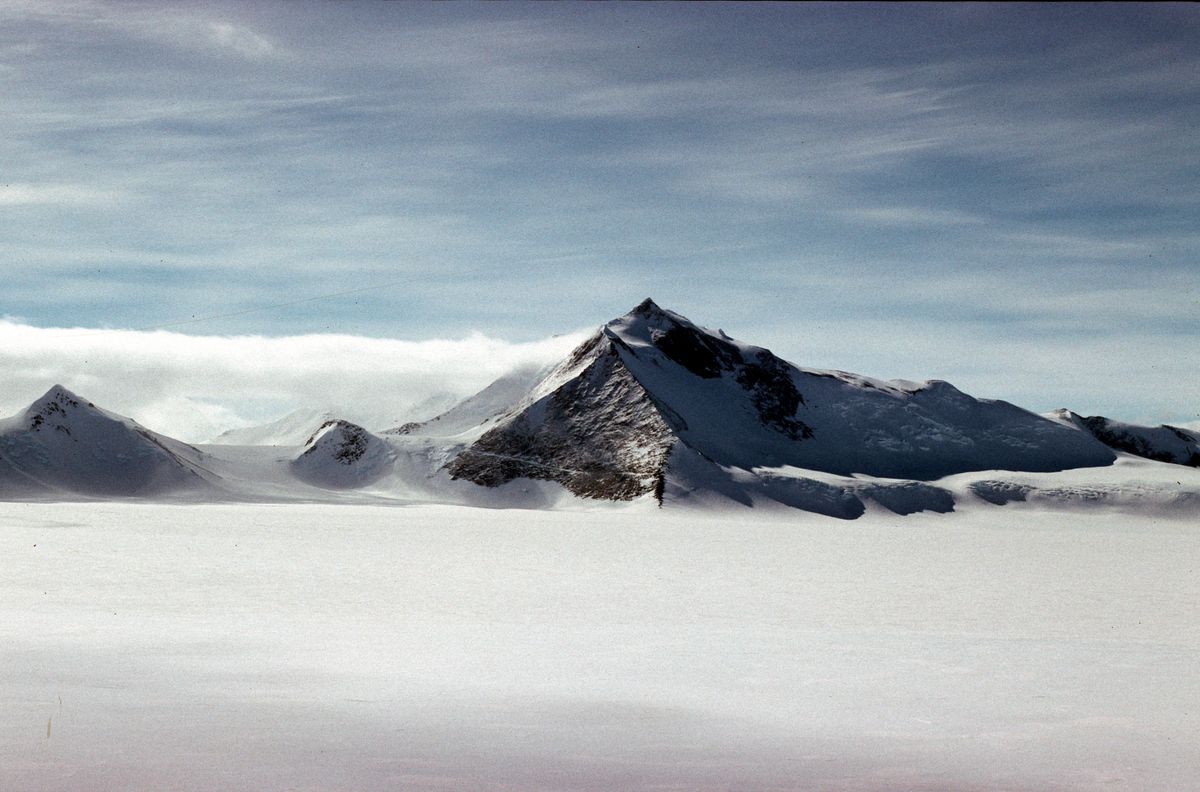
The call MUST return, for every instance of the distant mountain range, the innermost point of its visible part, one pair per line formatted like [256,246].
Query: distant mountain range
[650,408]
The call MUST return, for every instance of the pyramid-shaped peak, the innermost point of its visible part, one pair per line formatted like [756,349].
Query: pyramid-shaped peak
[60,396]
[647,307]
[59,405]
[648,313]
[59,393]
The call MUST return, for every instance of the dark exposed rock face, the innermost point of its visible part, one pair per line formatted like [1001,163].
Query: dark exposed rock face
[599,435]
[1123,441]
[774,395]
[700,354]
[351,441]
[767,378]
[999,493]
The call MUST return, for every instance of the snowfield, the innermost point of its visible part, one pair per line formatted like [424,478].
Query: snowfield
[1041,645]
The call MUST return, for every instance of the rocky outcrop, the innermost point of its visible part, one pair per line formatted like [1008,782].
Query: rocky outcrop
[1163,443]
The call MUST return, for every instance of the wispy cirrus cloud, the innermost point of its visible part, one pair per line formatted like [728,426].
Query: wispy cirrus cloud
[911,216]
[524,167]
[183,26]
[241,40]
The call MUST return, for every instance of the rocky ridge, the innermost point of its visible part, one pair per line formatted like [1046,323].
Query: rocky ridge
[1164,443]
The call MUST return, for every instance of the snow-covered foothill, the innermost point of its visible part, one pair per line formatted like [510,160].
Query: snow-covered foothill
[343,455]
[64,444]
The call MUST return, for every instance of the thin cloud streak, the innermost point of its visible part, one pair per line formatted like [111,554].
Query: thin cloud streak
[17,194]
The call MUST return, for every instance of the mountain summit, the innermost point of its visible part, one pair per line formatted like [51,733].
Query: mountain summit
[651,389]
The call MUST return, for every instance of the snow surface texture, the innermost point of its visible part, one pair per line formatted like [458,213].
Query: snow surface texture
[248,647]
[651,407]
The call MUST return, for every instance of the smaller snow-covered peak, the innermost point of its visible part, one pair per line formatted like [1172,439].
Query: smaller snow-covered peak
[62,442]
[1062,415]
[343,455]
[480,409]
[340,433]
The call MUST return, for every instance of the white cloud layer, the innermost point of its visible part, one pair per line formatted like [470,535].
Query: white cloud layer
[194,387]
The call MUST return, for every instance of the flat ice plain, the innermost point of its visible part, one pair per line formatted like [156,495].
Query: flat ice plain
[368,647]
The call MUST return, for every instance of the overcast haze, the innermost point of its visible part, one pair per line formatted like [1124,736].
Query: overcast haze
[1001,196]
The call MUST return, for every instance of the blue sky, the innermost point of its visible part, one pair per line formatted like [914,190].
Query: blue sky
[1003,196]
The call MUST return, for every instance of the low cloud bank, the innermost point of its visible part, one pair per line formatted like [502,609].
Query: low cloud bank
[195,387]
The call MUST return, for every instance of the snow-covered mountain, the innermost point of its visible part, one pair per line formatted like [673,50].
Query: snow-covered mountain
[651,393]
[63,443]
[342,455]
[650,408]
[1163,443]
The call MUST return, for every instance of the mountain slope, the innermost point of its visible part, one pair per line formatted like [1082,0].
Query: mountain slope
[292,429]
[1161,443]
[605,421]
[63,443]
[589,425]
[475,411]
